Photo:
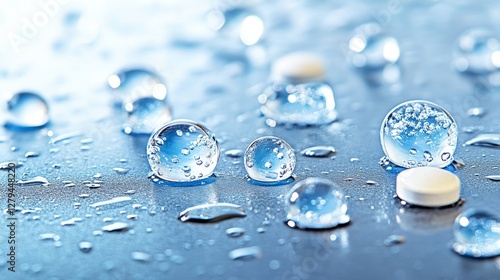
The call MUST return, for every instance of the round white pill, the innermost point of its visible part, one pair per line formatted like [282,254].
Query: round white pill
[428,186]
[298,66]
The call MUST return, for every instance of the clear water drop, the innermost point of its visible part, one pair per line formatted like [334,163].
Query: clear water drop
[235,232]
[236,153]
[477,234]
[247,253]
[141,257]
[370,48]
[316,203]
[131,84]
[421,126]
[118,226]
[477,112]
[64,137]
[34,181]
[392,240]
[493,177]
[319,151]
[301,104]
[85,246]
[31,154]
[145,114]
[212,212]
[237,23]
[167,160]
[27,110]
[120,170]
[263,164]
[487,140]
[477,52]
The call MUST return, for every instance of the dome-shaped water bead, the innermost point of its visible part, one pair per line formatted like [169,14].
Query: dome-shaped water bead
[182,151]
[419,133]
[27,110]
[269,159]
[477,52]
[316,203]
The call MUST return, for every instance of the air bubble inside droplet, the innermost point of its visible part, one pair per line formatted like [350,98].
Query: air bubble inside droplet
[419,133]
[316,203]
[269,159]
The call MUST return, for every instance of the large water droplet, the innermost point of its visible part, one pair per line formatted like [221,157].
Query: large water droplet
[477,234]
[371,49]
[132,84]
[27,110]
[166,157]
[316,203]
[477,52]
[145,114]
[302,104]
[488,140]
[319,151]
[269,159]
[422,127]
[247,253]
[212,212]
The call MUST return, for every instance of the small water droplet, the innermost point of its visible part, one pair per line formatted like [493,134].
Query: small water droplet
[64,137]
[487,140]
[212,212]
[371,49]
[27,110]
[392,240]
[301,104]
[270,168]
[316,203]
[236,153]
[120,170]
[477,234]
[477,52]
[118,226]
[169,164]
[478,112]
[145,114]
[141,257]
[247,253]
[493,177]
[34,181]
[31,154]
[319,151]
[71,222]
[235,232]
[85,246]
[421,126]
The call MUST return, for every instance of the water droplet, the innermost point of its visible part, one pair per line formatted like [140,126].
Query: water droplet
[478,112]
[64,137]
[392,240]
[316,203]
[118,226]
[319,151]
[487,140]
[34,181]
[212,212]
[477,234]
[133,217]
[371,182]
[493,177]
[262,164]
[120,170]
[71,222]
[370,48]
[49,236]
[145,114]
[31,154]
[234,153]
[85,246]
[477,52]
[27,110]
[423,126]
[167,160]
[247,253]
[237,23]
[235,232]
[132,84]
[141,257]
[301,104]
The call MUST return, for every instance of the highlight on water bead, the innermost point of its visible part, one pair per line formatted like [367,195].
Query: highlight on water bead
[269,159]
[182,151]
[419,133]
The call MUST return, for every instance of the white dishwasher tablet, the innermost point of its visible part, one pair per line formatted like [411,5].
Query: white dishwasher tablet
[298,66]
[428,186]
